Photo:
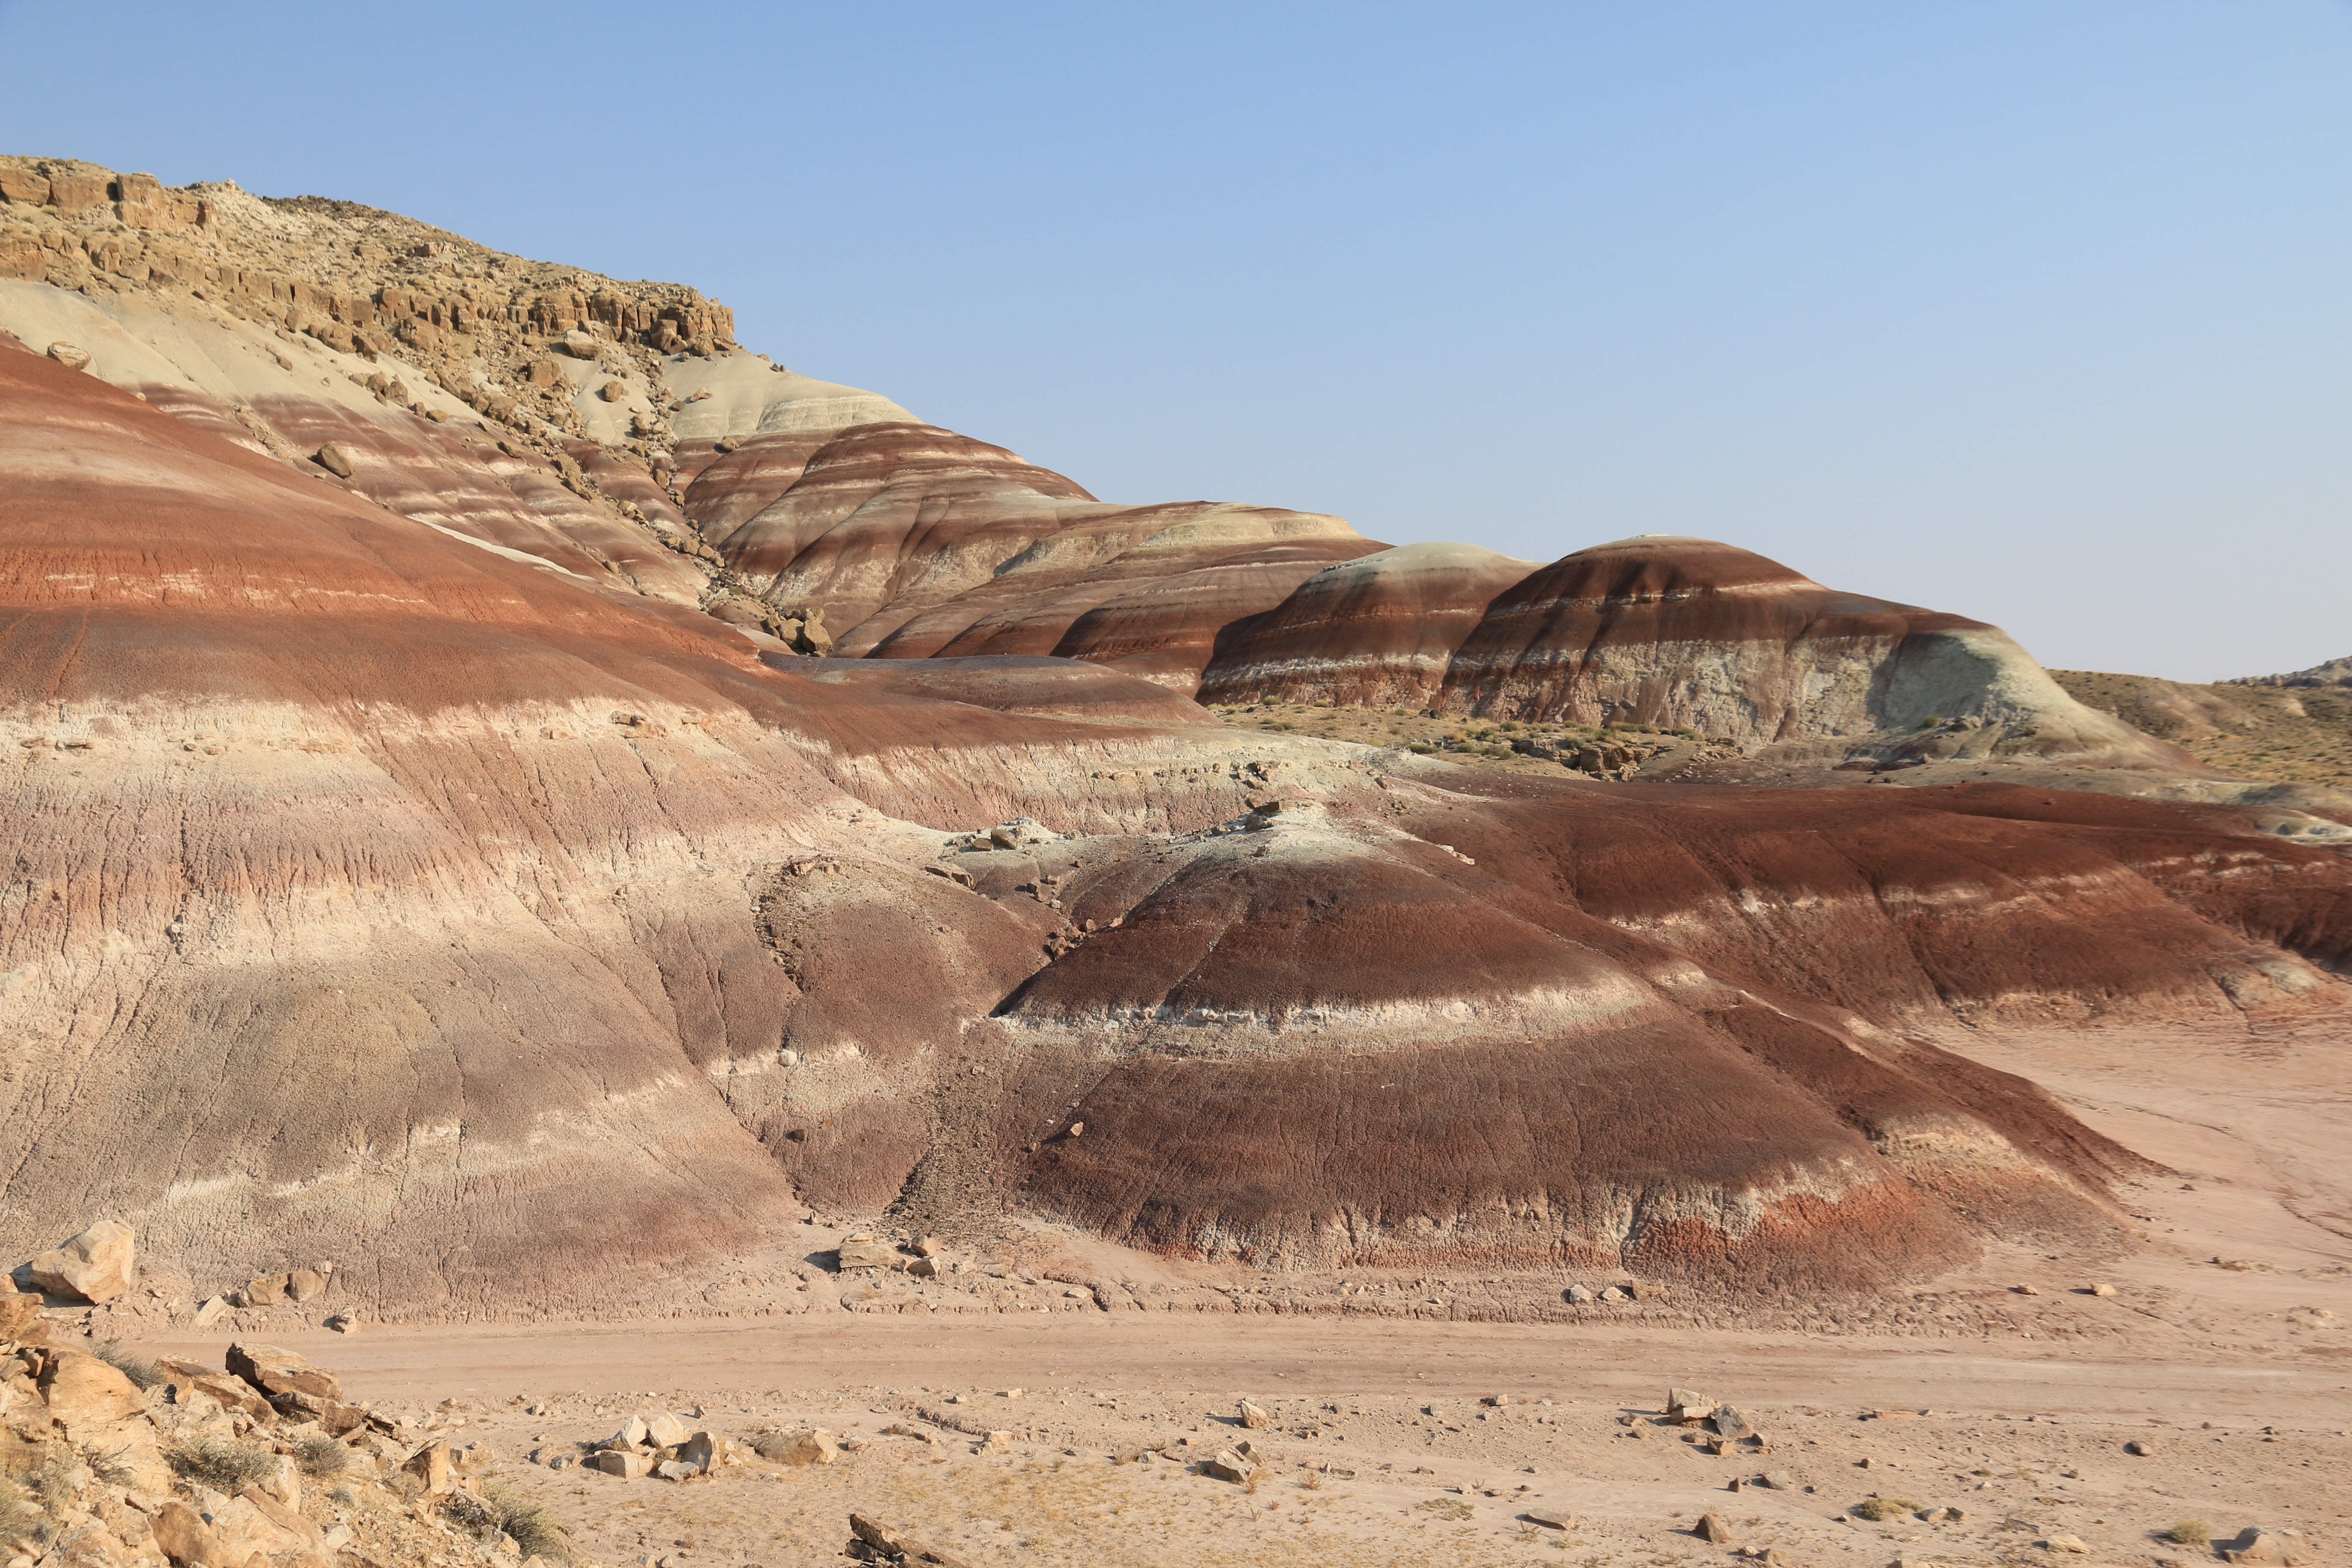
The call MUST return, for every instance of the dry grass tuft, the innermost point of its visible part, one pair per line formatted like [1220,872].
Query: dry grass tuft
[320,1456]
[222,1465]
[143,1373]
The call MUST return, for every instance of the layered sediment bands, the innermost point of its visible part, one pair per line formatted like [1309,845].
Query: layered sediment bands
[1674,632]
[1507,1020]
[383,891]
[919,543]
[1380,630]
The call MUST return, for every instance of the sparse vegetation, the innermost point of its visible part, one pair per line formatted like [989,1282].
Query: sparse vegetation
[320,1455]
[2290,734]
[2189,1532]
[1445,1508]
[143,1373]
[1879,1509]
[17,1521]
[221,1464]
[502,1511]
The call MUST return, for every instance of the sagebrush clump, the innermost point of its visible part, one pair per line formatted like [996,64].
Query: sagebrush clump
[222,1465]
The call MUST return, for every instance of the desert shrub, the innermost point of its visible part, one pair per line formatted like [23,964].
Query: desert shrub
[320,1455]
[501,1510]
[1877,1508]
[2189,1532]
[42,1474]
[222,1465]
[143,1373]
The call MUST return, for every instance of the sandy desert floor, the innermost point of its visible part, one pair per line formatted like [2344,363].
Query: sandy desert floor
[2223,1352]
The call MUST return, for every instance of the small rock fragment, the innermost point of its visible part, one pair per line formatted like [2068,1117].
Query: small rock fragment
[336,459]
[1687,1406]
[73,356]
[1228,1466]
[1711,1527]
[2069,1544]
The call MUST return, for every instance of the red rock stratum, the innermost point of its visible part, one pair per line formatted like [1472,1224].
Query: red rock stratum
[447,897]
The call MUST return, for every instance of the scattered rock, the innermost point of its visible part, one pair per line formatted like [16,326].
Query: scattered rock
[1577,1295]
[1227,1465]
[264,1292]
[2254,1544]
[580,345]
[1731,1425]
[2103,1290]
[625,1463]
[335,460]
[98,1265]
[279,1373]
[2026,1290]
[20,1317]
[73,356]
[613,392]
[666,1431]
[870,1254]
[931,1245]
[676,1470]
[183,1535]
[873,1541]
[2069,1543]
[805,1446]
[1687,1406]
[1550,1518]
[343,1323]
[430,1464]
[1711,1527]
[303,1284]
[1779,1481]
[1253,1417]
[2142,1446]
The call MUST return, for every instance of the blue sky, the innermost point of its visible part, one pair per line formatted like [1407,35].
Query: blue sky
[2037,313]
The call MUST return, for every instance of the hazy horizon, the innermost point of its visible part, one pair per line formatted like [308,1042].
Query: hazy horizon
[2034,314]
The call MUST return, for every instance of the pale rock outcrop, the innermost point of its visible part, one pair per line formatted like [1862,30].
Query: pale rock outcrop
[99,1264]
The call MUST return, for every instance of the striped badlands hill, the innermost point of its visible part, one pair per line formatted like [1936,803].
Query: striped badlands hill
[513,937]
[1668,632]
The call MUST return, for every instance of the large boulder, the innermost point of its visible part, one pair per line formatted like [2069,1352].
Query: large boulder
[99,1264]
[84,1393]
[280,1373]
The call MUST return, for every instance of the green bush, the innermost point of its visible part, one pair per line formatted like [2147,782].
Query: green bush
[1878,1508]
[2189,1532]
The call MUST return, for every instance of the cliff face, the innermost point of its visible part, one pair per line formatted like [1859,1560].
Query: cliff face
[406,868]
